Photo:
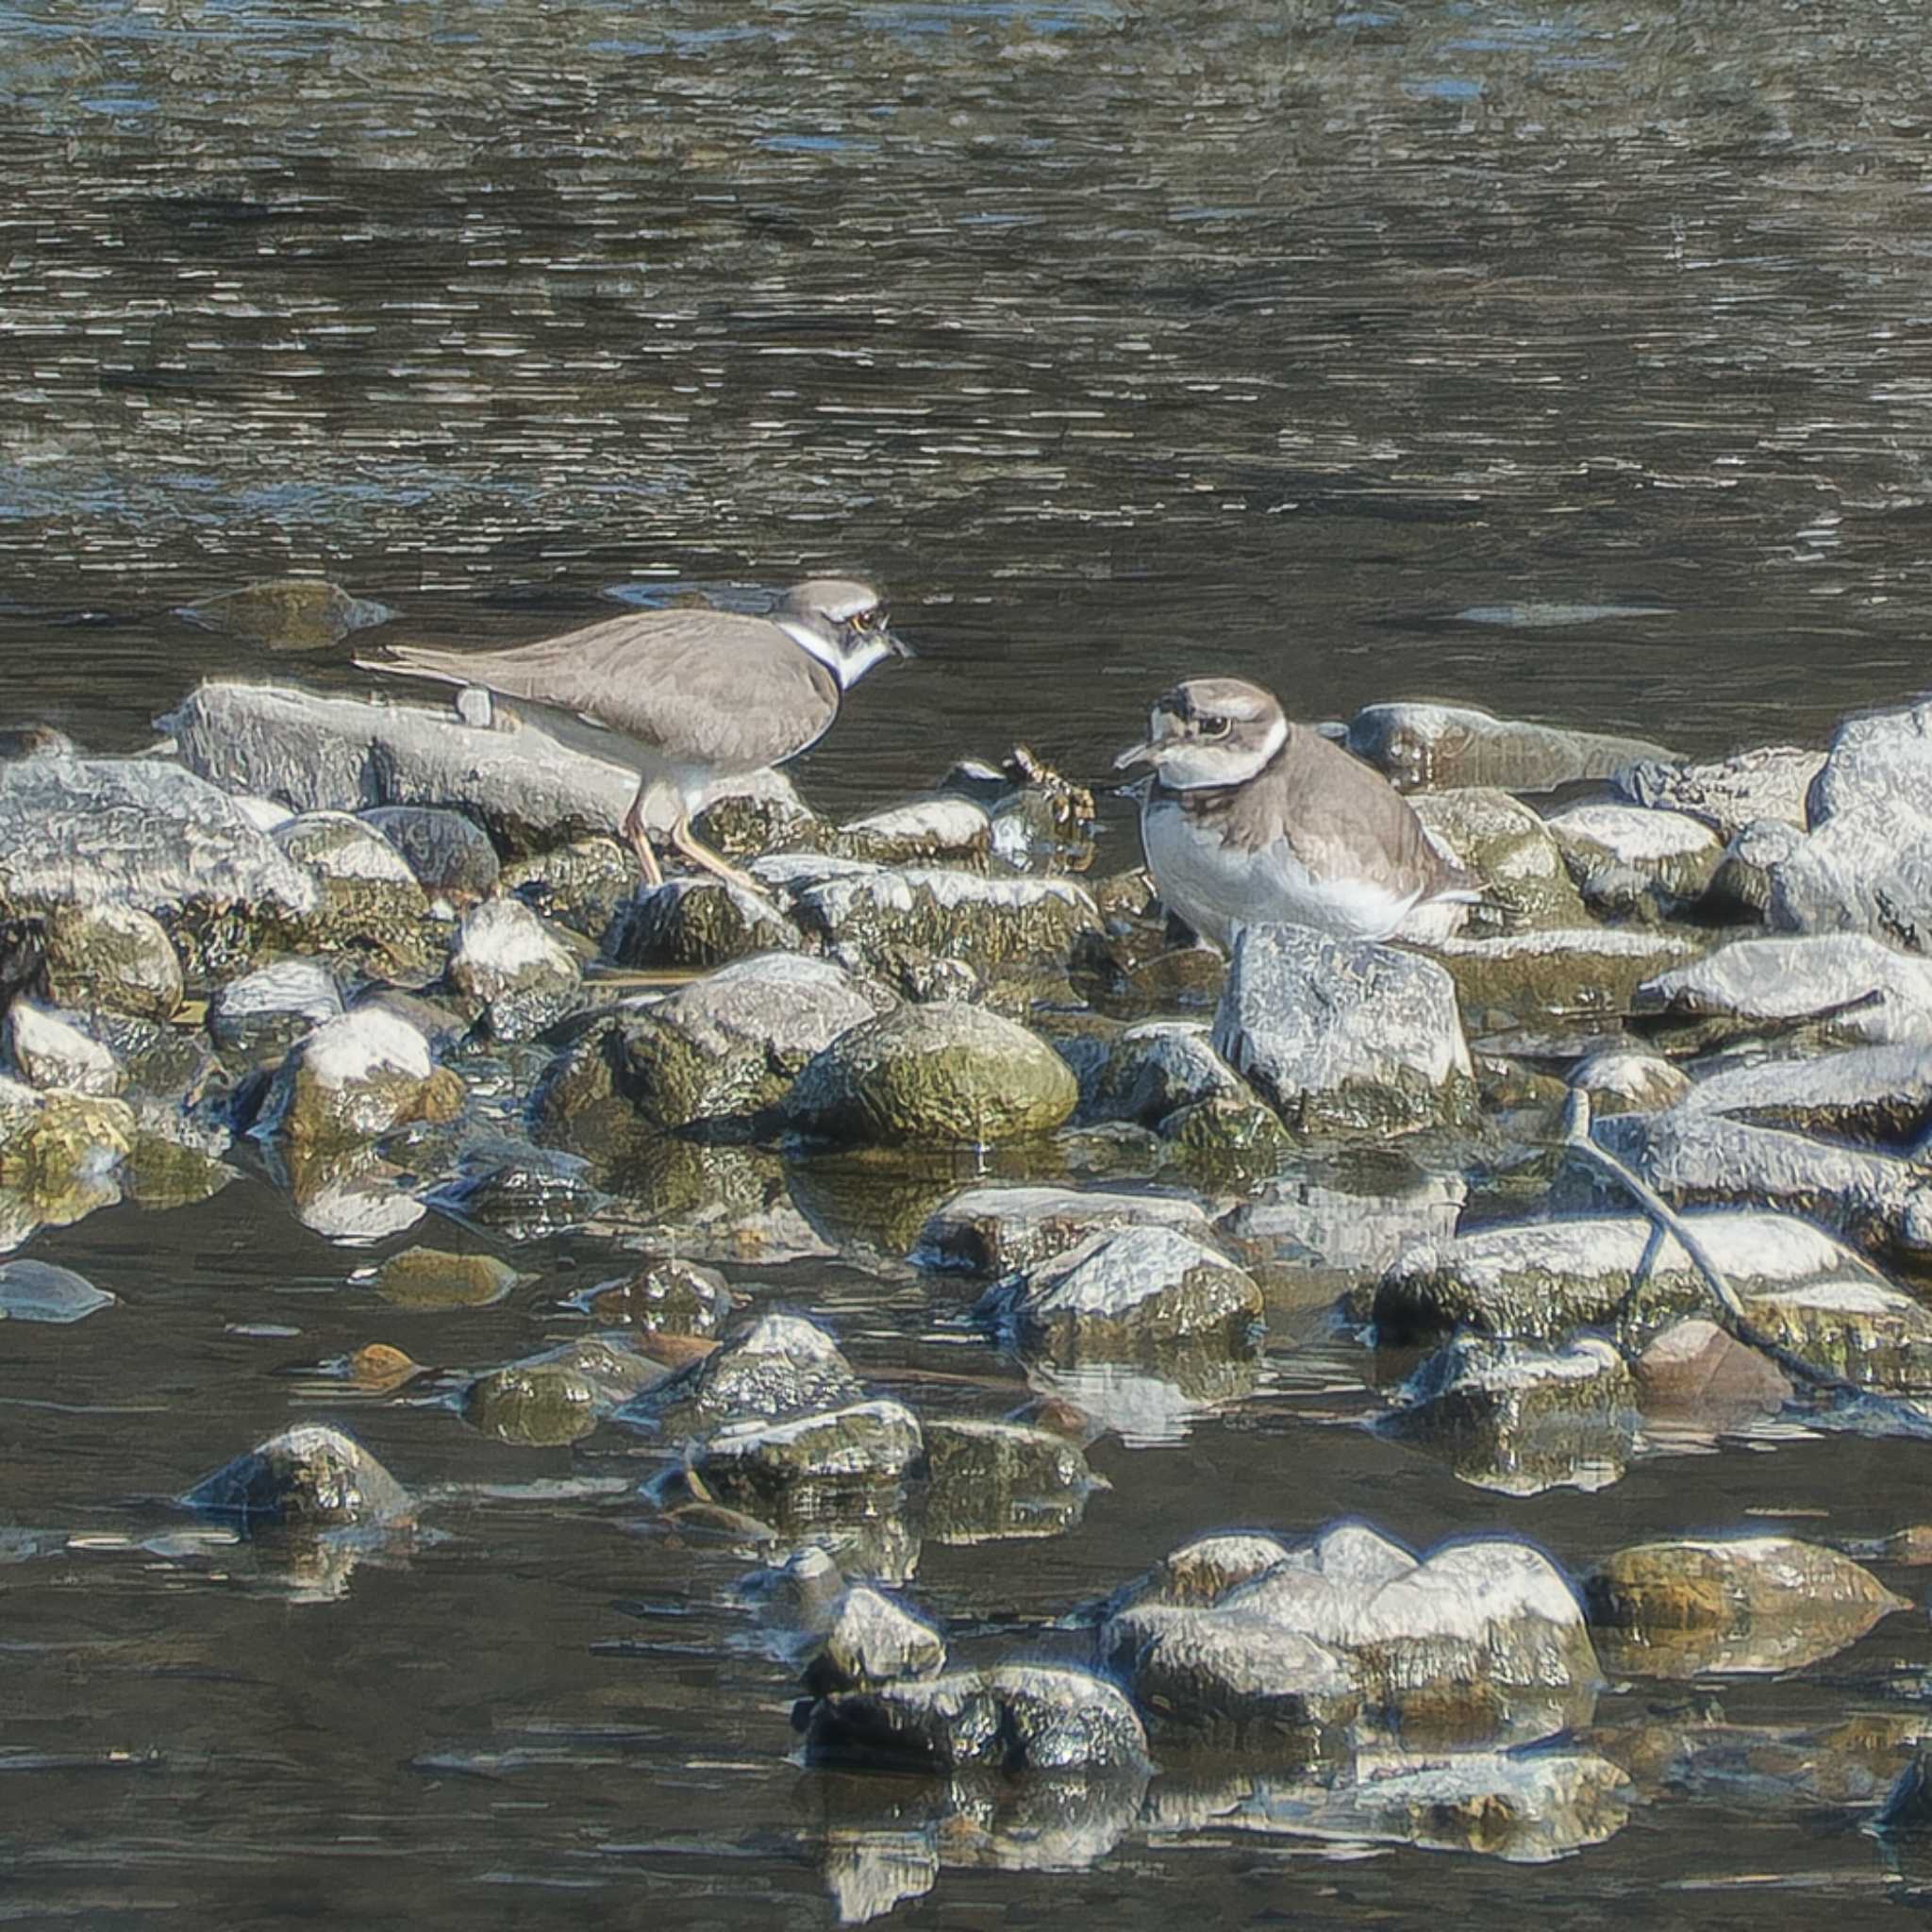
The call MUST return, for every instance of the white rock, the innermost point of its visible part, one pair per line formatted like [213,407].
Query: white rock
[47,1053]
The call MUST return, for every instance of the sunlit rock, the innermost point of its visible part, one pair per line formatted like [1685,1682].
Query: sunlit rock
[870,1641]
[808,1464]
[1418,746]
[263,1013]
[1630,863]
[45,1052]
[354,1079]
[698,923]
[1526,886]
[1692,1606]
[1766,784]
[1626,1081]
[778,1367]
[508,970]
[583,886]
[338,845]
[309,1475]
[1532,980]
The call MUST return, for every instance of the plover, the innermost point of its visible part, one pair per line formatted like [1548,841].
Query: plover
[687,697]
[1250,819]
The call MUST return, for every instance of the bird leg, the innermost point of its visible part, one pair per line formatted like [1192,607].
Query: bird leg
[640,840]
[701,855]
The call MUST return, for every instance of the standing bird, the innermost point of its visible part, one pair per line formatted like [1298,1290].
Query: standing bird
[1251,820]
[687,697]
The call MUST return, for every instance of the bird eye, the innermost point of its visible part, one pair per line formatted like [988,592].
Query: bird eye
[1216,728]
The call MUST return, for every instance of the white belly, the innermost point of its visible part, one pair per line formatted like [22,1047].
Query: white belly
[1216,888]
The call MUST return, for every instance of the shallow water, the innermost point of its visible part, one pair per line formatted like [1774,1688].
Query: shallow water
[1571,362]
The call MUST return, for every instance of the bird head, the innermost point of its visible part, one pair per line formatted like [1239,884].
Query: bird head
[1208,732]
[842,623]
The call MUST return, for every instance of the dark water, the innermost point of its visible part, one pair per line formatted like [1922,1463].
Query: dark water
[1117,341]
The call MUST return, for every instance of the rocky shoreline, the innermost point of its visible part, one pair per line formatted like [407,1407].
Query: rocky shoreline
[396,958]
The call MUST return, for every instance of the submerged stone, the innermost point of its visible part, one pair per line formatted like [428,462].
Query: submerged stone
[310,1475]
[426,1278]
[41,1292]
[1006,1230]
[1418,746]
[287,613]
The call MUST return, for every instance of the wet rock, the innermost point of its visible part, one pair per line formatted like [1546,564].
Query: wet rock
[354,1079]
[1421,746]
[778,1367]
[666,1297]
[762,1465]
[1688,1607]
[988,1480]
[449,852]
[698,923]
[45,1052]
[1342,1033]
[1510,1416]
[1622,1081]
[945,1075]
[1153,1070]
[338,845]
[717,1055]
[511,973]
[1870,1334]
[1004,1230]
[40,1291]
[262,1014]
[1522,1808]
[945,829]
[1694,1370]
[428,1278]
[1526,886]
[1696,1157]
[310,1474]
[1741,888]
[582,886]
[1530,979]
[1199,1573]
[1014,1718]
[287,613]
[137,832]
[1864,871]
[348,1194]
[1630,862]
[558,1397]
[1225,1137]
[1877,1096]
[526,790]
[879,912]
[872,1641]
[1844,989]
[1129,1289]
[113,957]
[1768,784]
[522,1194]
[1541,1279]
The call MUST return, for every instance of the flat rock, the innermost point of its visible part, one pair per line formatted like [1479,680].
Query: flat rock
[1769,783]
[1342,1033]
[1541,1279]
[310,1475]
[949,828]
[527,791]
[1847,987]
[506,969]
[1004,1230]
[945,1075]
[1694,1370]
[138,832]
[1878,1096]
[1688,1607]
[1877,1336]
[1530,979]
[1129,1289]
[1622,1080]
[1420,746]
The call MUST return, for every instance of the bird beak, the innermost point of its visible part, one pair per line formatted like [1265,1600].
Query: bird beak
[1135,755]
[896,644]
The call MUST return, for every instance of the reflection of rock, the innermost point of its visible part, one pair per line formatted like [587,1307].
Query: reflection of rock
[1510,1416]
[352,1196]
[1343,1035]
[996,1230]
[1128,1290]
[1522,1808]
[987,1480]
[1770,1602]
[1013,1718]
[309,1475]
[941,1076]
[1148,1403]
[1542,1278]
[1354,1220]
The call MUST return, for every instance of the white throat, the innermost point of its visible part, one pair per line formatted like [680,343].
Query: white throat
[1200,765]
[848,667]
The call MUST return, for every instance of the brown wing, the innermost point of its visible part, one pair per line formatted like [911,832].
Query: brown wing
[1342,819]
[732,690]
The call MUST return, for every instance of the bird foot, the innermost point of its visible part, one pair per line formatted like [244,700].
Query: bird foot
[701,855]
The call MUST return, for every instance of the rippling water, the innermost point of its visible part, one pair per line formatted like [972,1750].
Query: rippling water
[1572,360]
